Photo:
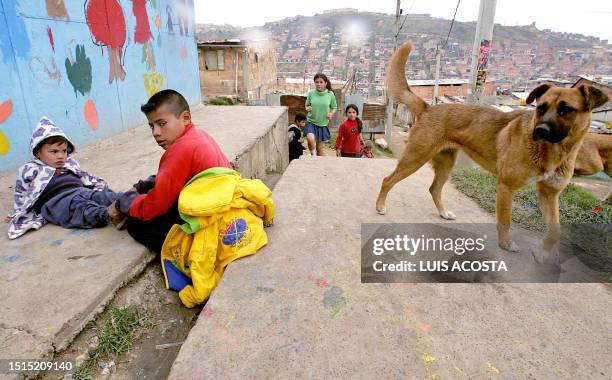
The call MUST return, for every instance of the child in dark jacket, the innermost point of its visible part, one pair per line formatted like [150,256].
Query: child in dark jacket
[52,187]
[295,136]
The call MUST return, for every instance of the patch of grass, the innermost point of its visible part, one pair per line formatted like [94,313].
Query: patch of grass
[331,143]
[586,220]
[576,205]
[379,152]
[222,101]
[121,327]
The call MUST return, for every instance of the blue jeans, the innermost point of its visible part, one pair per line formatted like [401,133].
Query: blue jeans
[79,208]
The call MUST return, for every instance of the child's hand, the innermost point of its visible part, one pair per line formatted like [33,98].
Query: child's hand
[330,115]
[8,219]
[308,108]
[338,153]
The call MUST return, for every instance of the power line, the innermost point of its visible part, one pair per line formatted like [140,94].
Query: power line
[452,22]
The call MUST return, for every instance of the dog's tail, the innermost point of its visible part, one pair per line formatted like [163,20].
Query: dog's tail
[396,81]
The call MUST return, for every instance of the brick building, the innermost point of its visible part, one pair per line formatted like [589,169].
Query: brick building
[245,70]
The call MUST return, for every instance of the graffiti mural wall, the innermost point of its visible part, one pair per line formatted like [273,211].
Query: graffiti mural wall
[89,65]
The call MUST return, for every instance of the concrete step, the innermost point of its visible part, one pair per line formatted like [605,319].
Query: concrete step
[297,309]
[53,281]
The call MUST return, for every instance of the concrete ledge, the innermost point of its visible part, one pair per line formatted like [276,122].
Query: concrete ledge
[53,281]
[297,309]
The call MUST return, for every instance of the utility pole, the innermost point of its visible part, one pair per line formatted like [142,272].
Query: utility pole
[437,80]
[481,50]
[389,126]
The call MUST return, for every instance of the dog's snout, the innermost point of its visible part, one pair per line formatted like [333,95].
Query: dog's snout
[541,132]
[552,133]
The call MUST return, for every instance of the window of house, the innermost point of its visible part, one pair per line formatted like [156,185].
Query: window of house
[214,60]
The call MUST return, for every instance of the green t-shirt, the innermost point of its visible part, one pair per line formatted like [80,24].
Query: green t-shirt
[321,103]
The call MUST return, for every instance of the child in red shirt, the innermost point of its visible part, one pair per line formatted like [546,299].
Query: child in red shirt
[348,142]
[152,204]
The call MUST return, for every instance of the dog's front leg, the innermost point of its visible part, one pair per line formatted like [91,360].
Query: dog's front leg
[505,194]
[549,205]
[548,194]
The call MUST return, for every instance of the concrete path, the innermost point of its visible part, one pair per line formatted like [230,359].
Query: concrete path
[53,281]
[298,309]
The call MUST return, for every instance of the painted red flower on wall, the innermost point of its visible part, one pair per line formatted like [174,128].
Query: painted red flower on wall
[107,25]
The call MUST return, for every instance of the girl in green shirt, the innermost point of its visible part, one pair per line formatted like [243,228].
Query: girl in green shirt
[321,107]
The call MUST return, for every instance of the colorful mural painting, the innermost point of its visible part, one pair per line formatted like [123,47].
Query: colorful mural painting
[89,65]
[6,109]
[481,68]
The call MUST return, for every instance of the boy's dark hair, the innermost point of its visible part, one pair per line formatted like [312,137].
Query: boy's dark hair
[299,117]
[324,77]
[54,140]
[359,122]
[175,101]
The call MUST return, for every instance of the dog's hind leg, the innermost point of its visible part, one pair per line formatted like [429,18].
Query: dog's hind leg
[409,163]
[442,163]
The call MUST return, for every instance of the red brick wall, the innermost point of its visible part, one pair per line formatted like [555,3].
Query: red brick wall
[426,92]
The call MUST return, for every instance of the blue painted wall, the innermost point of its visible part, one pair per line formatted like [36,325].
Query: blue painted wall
[55,60]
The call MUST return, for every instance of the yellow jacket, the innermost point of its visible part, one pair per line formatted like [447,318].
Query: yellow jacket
[224,217]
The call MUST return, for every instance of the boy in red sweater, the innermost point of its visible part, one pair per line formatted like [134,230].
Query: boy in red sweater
[152,204]
[348,142]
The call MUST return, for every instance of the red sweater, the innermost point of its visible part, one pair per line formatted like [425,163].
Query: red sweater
[348,137]
[190,154]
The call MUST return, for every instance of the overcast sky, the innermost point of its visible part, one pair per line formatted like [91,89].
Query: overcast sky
[590,17]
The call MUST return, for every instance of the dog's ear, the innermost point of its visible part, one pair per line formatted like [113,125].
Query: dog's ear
[594,97]
[537,92]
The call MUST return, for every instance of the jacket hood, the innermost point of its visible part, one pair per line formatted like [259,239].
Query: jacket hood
[44,129]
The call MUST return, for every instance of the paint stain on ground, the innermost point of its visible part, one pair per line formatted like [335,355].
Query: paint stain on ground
[207,312]
[56,243]
[460,370]
[334,300]
[12,259]
[428,359]
[264,289]
[430,366]
[230,318]
[320,282]
[491,368]
[424,326]
[81,232]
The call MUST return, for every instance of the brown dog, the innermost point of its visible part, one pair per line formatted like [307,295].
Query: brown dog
[595,155]
[519,147]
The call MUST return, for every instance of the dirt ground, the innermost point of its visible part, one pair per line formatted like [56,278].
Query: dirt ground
[171,323]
